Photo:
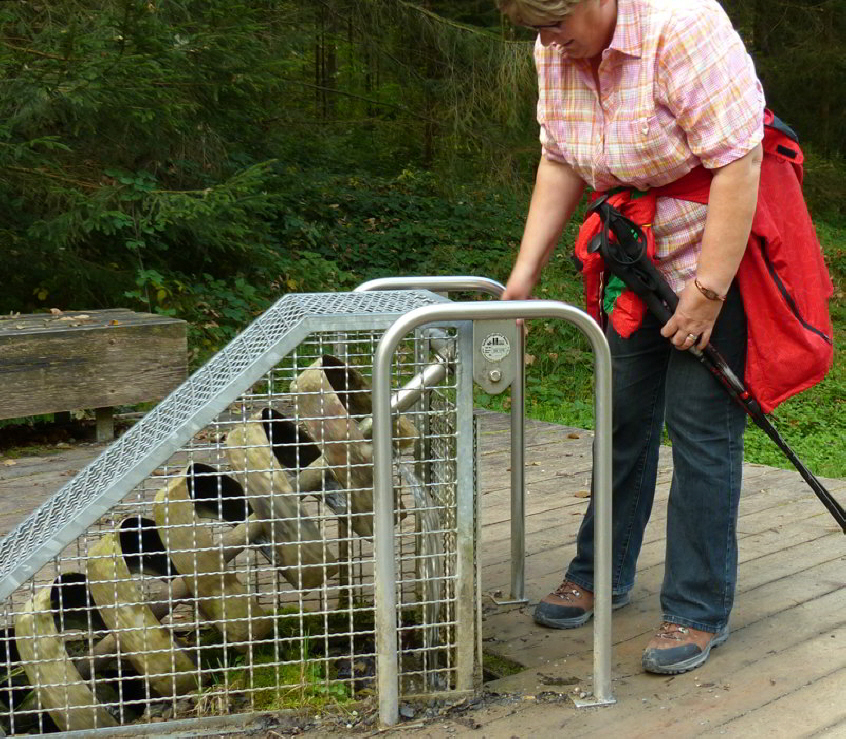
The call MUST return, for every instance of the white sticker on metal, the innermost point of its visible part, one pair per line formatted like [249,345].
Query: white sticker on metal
[495,347]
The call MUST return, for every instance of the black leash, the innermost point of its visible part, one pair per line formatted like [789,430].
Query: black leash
[625,256]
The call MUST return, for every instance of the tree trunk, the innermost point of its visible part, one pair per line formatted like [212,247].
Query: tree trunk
[762,11]
[330,65]
[429,127]
[828,91]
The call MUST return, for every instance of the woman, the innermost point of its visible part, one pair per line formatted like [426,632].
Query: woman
[639,93]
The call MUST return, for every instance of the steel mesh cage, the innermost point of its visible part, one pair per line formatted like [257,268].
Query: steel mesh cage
[218,558]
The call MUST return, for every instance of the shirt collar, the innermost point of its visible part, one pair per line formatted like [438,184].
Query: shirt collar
[627,32]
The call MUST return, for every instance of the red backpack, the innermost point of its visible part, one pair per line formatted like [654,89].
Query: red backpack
[783,278]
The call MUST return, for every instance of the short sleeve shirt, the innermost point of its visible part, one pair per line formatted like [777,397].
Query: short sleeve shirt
[677,89]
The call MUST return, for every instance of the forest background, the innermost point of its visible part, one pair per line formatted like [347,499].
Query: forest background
[200,158]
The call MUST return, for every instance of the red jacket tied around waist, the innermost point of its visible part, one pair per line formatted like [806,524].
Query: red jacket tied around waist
[783,280]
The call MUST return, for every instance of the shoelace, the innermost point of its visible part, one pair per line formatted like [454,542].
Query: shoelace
[567,591]
[669,630]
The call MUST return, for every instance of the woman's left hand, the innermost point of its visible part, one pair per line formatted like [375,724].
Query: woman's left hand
[693,321]
[731,207]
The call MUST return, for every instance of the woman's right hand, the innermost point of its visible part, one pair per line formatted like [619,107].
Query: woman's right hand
[520,284]
[557,191]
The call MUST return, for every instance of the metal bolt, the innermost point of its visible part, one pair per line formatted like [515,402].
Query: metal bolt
[495,375]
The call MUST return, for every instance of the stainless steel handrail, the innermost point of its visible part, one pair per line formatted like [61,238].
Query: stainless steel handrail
[491,287]
[435,284]
[385,564]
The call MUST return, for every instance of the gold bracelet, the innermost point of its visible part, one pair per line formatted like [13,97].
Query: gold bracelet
[710,294]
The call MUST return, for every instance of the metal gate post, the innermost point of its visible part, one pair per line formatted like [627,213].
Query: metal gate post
[385,564]
[518,413]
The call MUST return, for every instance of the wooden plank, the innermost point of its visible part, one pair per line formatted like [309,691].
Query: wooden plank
[73,455]
[733,693]
[815,710]
[543,473]
[755,570]
[41,323]
[766,491]
[91,366]
[500,441]
[756,606]
[767,698]
[546,573]
[550,463]
[558,542]
[555,527]
[27,482]
[797,651]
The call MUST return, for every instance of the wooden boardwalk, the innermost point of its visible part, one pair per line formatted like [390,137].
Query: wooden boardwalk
[781,674]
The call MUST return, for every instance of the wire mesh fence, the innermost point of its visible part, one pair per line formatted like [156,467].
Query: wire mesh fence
[238,575]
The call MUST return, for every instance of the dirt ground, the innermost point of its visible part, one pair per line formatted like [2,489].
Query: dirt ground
[490,715]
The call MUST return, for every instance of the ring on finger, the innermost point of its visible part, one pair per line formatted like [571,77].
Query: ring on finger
[691,337]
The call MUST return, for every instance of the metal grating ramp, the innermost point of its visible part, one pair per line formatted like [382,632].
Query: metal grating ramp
[185,411]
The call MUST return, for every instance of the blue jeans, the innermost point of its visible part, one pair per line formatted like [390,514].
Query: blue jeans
[652,382]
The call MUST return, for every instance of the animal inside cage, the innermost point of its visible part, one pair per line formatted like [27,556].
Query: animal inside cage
[218,559]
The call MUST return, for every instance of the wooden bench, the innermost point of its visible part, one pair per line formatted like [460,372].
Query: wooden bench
[58,362]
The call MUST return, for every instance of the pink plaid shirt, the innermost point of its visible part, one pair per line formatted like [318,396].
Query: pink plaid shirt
[677,90]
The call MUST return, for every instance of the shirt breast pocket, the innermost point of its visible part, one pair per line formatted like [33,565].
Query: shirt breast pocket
[643,152]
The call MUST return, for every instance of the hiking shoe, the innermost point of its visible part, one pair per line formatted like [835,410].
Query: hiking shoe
[571,606]
[676,648]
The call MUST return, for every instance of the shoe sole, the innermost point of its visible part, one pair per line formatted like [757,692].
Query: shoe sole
[572,623]
[686,665]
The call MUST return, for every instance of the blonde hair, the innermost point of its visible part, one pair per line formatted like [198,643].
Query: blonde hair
[536,12]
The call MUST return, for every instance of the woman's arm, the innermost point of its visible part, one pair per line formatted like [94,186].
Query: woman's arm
[557,192]
[731,208]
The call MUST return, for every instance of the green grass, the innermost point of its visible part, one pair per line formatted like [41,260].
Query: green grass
[31,450]
[559,382]
[28,420]
[291,672]
[277,686]
[496,665]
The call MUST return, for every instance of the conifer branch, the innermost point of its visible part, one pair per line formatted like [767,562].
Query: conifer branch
[36,52]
